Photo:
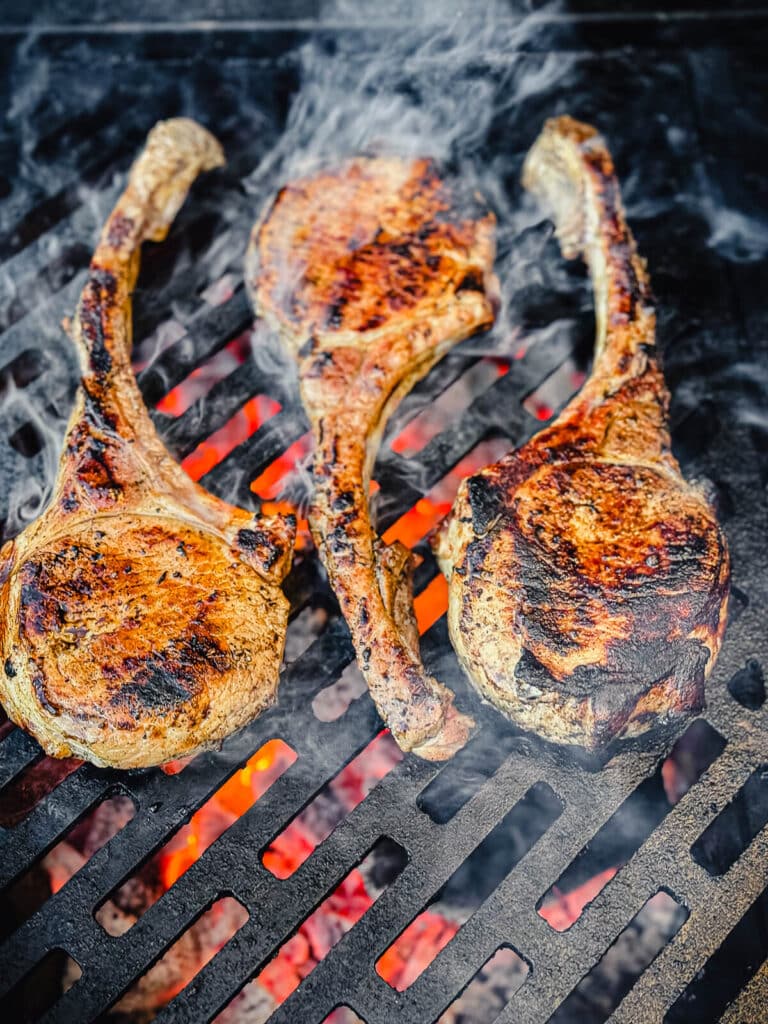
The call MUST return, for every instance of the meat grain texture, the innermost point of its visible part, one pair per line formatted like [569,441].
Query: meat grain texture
[371,272]
[141,618]
[588,580]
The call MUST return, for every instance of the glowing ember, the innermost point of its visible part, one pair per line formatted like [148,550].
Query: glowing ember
[564,908]
[81,841]
[318,934]
[425,515]
[348,789]
[343,1015]
[239,428]
[415,949]
[231,801]
[428,513]
[299,956]
[201,380]
[337,914]
[183,960]
[431,603]
[272,481]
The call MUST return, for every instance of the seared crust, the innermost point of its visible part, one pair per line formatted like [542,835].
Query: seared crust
[141,619]
[371,272]
[588,580]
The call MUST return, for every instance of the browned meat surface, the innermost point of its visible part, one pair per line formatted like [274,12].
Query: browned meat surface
[588,579]
[371,272]
[141,618]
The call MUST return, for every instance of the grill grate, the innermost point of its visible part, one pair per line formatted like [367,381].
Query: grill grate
[60,223]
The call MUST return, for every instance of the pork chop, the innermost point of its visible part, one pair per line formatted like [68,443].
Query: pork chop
[141,618]
[371,272]
[588,580]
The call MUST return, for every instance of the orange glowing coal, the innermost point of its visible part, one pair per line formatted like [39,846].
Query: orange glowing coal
[342,908]
[428,512]
[288,851]
[201,380]
[239,428]
[415,949]
[316,937]
[229,803]
[562,909]
[269,484]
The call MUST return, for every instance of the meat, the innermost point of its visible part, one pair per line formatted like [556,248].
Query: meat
[588,580]
[371,272]
[141,619]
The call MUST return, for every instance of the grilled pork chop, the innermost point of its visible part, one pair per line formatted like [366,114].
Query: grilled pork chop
[588,580]
[370,273]
[141,618]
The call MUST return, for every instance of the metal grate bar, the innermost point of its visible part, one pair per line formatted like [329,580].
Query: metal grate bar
[497,409]
[17,752]
[531,876]
[752,1002]
[206,334]
[182,434]
[223,868]
[50,819]
[233,475]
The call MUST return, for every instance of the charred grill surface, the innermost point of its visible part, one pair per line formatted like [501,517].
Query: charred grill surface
[371,273]
[141,619]
[588,579]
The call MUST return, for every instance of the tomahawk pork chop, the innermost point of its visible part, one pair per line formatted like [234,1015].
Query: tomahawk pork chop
[141,618]
[588,580]
[371,272]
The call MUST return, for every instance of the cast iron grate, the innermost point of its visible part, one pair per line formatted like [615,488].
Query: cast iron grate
[715,903]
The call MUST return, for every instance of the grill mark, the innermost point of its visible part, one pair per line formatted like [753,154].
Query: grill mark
[260,541]
[98,295]
[162,682]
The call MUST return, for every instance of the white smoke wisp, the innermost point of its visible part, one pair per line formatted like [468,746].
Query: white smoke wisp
[430,89]
[441,85]
[29,492]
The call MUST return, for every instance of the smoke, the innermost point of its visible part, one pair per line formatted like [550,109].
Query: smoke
[738,236]
[467,84]
[432,89]
[445,85]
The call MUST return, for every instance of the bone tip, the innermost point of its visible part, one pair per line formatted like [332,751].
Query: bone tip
[567,127]
[188,139]
[556,132]
[453,735]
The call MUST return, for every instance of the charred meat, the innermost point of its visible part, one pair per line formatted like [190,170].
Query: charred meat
[588,580]
[141,619]
[371,272]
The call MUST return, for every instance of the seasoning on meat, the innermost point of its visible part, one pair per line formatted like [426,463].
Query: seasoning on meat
[588,580]
[371,272]
[141,619]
